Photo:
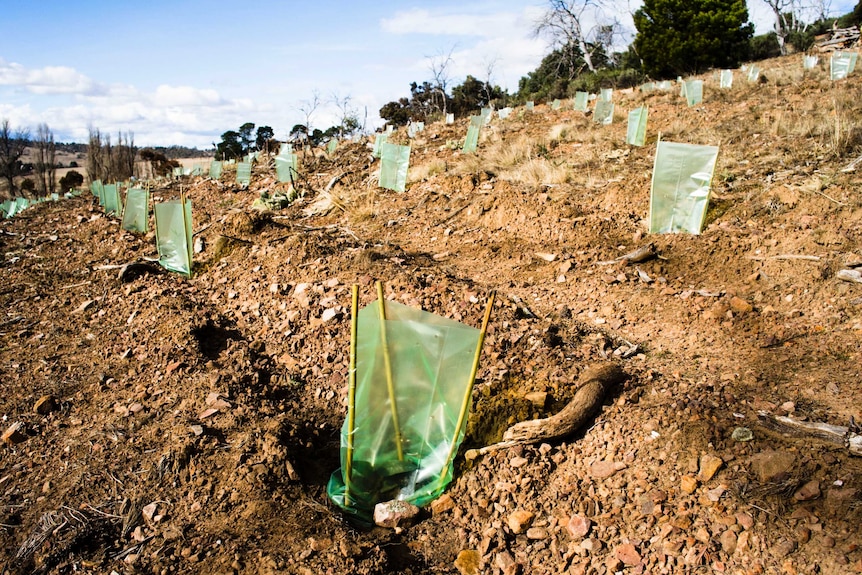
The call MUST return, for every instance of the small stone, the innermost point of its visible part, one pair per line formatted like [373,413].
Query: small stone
[709,465]
[803,534]
[604,469]
[45,405]
[715,494]
[198,430]
[518,462]
[468,562]
[728,542]
[520,520]
[687,484]
[745,520]
[329,314]
[537,398]
[787,407]
[149,511]
[627,554]
[807,492]
[578,526]
[784,548]
[742,434]
[442,504]
[14,434]
[537,533]
[506,563]
[394,514]
[772,466]
[739,305]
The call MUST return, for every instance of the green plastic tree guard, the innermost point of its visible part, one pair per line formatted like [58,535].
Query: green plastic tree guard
[137,211]
[96,188]
[112,203]
[555,105]
[726,79]
[174,235]
[378,143]
[636,132]
[285,149]
[680,187]
[6,209]
[471,142]
[450,118]
[606,94]
[842,65]
[243,173]
[285,167]
[694,92]
[331,146]
[581,101]
[603,113]
[430,362]
[215,169]
[394,162]
[530,106]
[809,62]
[753,74]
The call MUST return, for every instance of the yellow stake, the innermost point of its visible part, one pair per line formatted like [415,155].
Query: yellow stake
[351,394]
[462,417]
[390,385]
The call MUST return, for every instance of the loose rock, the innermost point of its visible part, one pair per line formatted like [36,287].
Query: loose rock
[395,514]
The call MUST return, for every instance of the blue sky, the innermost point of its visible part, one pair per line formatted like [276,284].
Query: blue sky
[183,72]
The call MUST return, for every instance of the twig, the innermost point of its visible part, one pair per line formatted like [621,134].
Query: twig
[786,257]
[76,285]
[830,199]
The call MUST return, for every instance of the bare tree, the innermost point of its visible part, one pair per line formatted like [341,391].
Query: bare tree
[585,24]
[110,163]
[12,147]
[439,66]
[795,16]
[488,86]
[308,108]
[45,164]
[349,121]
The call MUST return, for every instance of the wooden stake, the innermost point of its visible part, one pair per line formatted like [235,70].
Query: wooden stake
[351,393]
[387,362]
[465,404]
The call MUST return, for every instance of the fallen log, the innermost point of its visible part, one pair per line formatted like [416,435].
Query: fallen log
[835,434]
[593,385]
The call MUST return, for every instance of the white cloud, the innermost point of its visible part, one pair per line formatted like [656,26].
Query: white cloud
[185,96]
[47,80]
[420,21]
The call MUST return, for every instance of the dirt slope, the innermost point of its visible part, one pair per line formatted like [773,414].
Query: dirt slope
[193,424]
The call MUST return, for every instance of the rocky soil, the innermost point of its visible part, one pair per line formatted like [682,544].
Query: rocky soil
[157,424]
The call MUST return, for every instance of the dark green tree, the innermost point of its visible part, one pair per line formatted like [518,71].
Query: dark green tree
[264,139]
[678,37]
[473,94]
[12,146]
[246,137]
[71,180]
[230,146]
[396,113]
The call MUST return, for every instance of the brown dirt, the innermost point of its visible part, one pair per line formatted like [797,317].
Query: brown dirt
[115,477]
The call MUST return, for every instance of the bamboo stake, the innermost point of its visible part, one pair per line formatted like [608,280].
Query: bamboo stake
[465,404]
[188,232]
[351,393]
[387,362]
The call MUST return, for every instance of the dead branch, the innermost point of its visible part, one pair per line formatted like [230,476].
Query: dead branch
[836,434]
[641,254]
[593,385]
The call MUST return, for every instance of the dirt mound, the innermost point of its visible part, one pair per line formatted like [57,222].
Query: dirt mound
[165,425]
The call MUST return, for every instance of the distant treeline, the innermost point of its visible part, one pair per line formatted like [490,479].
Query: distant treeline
[170,152]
